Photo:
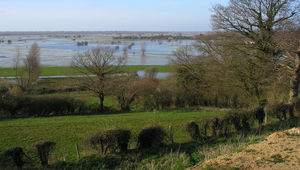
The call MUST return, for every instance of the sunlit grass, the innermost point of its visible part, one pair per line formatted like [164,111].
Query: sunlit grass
[66,131]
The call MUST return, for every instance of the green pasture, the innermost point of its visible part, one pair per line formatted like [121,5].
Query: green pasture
[66,131]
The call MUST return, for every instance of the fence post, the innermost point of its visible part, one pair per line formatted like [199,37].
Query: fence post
[171,134]
[64,155]
[77,151]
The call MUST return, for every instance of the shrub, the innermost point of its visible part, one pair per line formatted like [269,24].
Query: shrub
[278,110]
[215,126]
[16,91]
[151,72]
[260,115]
[43,149]
[4,87]
[110,140]
[118,139]
[235,119]
[241,119]
[16,154]
[192,128]
[205,126]
[224,125]
[151,137]
[165,93]
[146,90]
[297,107]
[245,119]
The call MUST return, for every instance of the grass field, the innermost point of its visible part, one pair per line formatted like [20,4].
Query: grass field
[65,70]
[66,131]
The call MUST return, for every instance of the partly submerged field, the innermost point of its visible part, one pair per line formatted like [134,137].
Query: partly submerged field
[67,71]
[66,131]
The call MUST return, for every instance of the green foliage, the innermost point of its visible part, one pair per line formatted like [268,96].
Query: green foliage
[234,168]
[277,158]
[208,168]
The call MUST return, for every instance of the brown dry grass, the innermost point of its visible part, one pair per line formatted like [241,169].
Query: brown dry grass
[279,151]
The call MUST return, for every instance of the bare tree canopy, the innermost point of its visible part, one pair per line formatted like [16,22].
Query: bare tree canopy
[27,76]
[256,20]
[97,66]
[254,16]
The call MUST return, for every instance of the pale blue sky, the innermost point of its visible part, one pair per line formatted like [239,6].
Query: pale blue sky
[106,15]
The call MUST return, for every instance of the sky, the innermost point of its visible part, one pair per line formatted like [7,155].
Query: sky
[106,15]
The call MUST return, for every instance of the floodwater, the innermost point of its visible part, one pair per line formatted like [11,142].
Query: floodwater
[58,50]
[141,73]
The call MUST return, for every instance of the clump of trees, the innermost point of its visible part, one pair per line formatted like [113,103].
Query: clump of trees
[251,53]
[82,43]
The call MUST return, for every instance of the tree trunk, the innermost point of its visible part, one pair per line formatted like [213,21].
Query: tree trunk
[294,85]
[101,100]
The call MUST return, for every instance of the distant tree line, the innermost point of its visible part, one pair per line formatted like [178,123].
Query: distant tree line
[178,36]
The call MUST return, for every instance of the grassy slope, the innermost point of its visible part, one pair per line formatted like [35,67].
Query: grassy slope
[65,70]
[68,130]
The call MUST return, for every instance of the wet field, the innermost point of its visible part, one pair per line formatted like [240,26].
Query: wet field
[57,50]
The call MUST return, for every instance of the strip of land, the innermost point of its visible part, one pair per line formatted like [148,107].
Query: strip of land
[67,70]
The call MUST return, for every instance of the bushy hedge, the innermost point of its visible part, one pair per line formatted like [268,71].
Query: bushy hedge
[151,137]
[278,110]
[42,149]
[20,106]
[16,154]
[109,141]
[192,128]
[235,120]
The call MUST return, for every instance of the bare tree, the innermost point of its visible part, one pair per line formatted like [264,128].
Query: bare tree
[125,49]
[125,88]
[32,65]
[19,70]
[259,22]
[97,66]
[256,20]
[27,75]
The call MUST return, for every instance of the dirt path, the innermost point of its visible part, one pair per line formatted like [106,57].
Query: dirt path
[280,151]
